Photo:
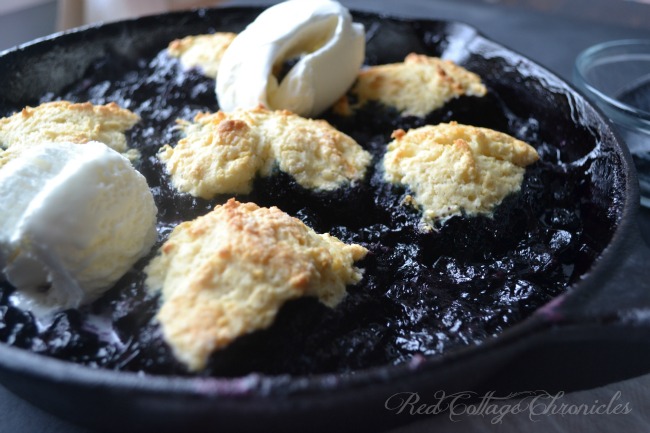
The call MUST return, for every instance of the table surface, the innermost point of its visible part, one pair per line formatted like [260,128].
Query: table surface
[552,34]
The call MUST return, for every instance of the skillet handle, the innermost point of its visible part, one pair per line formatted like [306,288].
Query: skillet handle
[618,293]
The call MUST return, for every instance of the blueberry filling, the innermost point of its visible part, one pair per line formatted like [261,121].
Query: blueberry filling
[422,293]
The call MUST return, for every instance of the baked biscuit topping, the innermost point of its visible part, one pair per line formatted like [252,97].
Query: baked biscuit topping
[63,121]
[202,51]
[415,87]
[226,274]
[453,168]
[223,152]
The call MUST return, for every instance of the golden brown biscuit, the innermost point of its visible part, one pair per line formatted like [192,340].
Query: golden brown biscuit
[453,168]
[415,87]
[226,274]
[219,154]
[202,51]
[61,121]
[223,152]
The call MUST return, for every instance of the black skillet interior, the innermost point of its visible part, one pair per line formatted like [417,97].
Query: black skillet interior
[569,134]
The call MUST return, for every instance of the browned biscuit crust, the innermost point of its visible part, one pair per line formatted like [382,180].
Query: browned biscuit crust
[202,51]
[223,152]
[415,87]
[61,121]
[227,274]
[453,168]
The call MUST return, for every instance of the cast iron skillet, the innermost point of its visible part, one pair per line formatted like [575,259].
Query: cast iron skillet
[593,334]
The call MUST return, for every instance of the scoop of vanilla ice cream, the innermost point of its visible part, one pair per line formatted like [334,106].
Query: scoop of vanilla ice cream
[80,217]
[330,48]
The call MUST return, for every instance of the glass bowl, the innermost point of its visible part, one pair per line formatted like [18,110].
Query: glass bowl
[616,76]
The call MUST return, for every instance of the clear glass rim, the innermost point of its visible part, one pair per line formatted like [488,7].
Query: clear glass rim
[586,57]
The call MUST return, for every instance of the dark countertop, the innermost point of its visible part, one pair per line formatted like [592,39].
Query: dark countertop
[552,39]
